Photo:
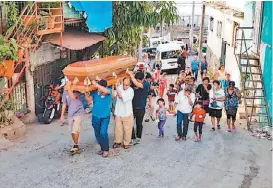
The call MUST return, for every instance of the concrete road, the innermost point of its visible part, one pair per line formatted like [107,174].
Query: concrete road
[222,160]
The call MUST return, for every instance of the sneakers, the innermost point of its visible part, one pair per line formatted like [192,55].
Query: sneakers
[135,141]
[199,138]
[132,143]
[177,138]
[138,140]
[218,127]
[196,139]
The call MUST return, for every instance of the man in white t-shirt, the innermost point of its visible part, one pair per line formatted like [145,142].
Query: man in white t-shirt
[183,103]
[124,114]
[217,99]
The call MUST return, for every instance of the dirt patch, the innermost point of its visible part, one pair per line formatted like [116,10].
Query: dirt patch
[249,177]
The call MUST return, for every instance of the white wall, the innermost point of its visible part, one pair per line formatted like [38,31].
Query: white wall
[215,43]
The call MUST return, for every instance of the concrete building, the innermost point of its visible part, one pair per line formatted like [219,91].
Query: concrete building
[254,20]
[220,40]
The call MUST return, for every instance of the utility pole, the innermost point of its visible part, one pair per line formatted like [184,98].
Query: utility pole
[202,28]
[192,22]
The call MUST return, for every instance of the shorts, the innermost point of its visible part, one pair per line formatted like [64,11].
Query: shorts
[74,124]
[233,116]
[171,102]
[215,112]
[203,72]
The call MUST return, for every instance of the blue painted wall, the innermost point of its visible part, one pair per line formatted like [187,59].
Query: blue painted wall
[266,39]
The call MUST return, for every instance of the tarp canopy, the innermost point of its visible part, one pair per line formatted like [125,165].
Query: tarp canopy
[75,39]
[99,14]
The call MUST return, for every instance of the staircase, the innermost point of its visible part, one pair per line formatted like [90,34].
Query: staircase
[28,33]
[256,106]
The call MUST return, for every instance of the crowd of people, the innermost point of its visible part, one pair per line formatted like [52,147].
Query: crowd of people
[132,101]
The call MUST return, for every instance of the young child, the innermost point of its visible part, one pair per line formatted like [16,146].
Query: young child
[171,97]
[156,74]
[188,71]
[200,115]
[162,85]
[161,116]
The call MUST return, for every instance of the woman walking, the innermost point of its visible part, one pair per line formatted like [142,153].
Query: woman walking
[232,97]
[217,98]
[221,75]
[202,93]
[183,103]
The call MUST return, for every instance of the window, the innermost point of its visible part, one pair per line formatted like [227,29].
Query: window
[219,29]
[211,23]
[169,54]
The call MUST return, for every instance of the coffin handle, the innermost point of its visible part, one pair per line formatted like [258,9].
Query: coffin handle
[75,81]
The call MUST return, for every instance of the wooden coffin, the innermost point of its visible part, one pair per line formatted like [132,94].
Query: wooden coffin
[111,68]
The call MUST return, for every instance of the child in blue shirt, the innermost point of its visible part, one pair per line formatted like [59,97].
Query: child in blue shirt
[161,115]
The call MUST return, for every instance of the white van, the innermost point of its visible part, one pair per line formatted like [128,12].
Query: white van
[166,55]
[181,44]
[154,42]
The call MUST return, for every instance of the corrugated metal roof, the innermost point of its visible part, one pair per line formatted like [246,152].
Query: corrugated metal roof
[75,39]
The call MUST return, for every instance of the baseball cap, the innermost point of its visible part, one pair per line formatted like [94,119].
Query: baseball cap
[141,66]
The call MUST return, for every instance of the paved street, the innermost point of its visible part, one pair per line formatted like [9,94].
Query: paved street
[223,160]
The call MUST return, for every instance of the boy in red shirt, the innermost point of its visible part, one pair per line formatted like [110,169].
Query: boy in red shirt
[200,115]
[171,97]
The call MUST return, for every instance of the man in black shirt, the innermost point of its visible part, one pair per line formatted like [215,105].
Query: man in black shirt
[181,63]
[141,89]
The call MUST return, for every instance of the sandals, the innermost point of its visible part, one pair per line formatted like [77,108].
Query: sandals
[218,127]
[100,153]
[177,138]
[126,146]
[212,129]
[105,154]
[116,145]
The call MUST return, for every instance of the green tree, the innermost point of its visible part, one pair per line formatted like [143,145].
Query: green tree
[129,20]
[12,13]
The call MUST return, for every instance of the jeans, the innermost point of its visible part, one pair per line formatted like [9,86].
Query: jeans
[199,126]
[161,124]
[138,115]
[182,117]
[100,126]
[195,73]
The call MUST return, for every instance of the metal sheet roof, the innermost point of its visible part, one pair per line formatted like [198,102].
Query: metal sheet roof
[75,39]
